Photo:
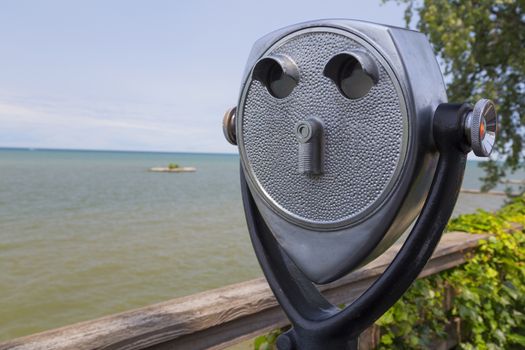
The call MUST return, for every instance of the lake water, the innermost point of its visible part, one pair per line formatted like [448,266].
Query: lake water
[86,234]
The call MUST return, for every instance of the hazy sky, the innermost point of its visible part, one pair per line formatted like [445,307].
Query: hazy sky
[138,75]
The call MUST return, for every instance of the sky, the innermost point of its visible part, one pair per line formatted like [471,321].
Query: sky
[138,75]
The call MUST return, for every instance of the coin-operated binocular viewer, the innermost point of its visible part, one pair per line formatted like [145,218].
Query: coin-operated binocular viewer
[345,138]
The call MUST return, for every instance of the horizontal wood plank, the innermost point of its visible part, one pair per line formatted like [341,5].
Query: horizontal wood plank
[223,316]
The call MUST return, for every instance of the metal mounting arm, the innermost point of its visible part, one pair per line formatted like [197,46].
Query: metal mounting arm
[317,324]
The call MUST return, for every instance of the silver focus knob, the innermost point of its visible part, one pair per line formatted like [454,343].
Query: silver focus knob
[228,126]
[481,125]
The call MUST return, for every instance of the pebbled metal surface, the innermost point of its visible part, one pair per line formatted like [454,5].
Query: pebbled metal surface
[364,138]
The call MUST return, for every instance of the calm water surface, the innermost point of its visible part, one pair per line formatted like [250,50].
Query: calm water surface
[85,234]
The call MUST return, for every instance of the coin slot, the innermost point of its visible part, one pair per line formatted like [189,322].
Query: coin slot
[309,133]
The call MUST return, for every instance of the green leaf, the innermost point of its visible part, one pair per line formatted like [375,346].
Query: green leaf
[386,339]
[517,339]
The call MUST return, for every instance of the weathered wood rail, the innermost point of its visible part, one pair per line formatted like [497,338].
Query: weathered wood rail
[221,317]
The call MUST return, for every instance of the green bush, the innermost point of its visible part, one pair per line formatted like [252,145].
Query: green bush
[486,295]
[489,291]
[267,341]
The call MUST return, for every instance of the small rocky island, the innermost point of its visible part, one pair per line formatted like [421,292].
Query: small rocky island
[173,168]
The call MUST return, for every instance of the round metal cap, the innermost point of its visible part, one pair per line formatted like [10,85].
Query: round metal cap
[483,127]
[228,126]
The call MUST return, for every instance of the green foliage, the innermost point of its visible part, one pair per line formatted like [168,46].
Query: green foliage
[514,211]
[267,341]
[479,222]
[418,318]
[172,166]
[489,291]
[481,45]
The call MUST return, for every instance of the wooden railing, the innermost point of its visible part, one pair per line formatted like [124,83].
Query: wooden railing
[222,317]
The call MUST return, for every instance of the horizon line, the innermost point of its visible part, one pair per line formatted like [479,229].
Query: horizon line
[106,150]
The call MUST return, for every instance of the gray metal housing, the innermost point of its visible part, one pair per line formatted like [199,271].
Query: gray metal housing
[324,255]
